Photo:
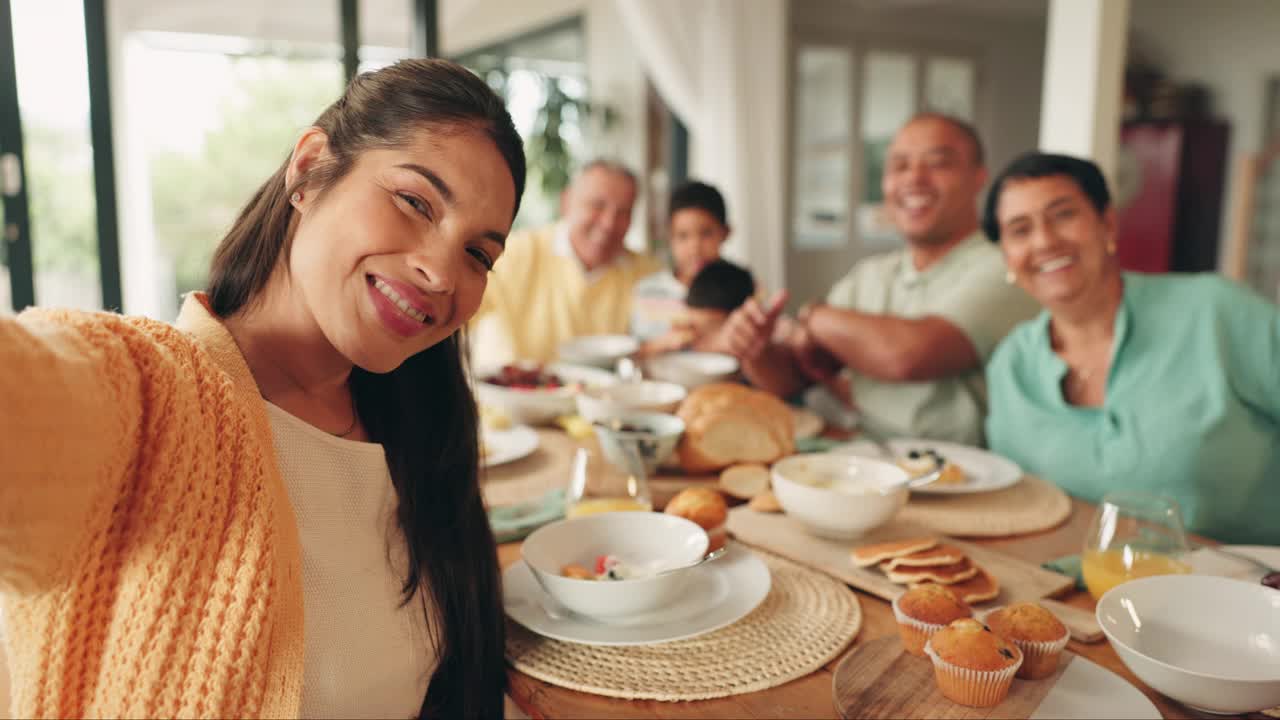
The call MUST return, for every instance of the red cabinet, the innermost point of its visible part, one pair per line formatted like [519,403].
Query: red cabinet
[1169,185]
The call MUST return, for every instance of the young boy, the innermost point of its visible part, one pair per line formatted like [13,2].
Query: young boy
[718,289]
[698,226]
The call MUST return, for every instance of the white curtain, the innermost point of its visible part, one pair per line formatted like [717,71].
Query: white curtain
[721,66]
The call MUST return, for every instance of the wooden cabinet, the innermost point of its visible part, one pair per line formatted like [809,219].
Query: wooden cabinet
[1169,187]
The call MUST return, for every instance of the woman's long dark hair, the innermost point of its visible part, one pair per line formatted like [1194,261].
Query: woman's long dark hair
[423,412]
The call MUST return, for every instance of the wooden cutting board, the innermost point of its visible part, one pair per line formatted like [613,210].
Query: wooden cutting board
[880,679]
[1019,579]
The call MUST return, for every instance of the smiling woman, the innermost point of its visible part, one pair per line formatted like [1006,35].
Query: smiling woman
[1160,383]
[273,510]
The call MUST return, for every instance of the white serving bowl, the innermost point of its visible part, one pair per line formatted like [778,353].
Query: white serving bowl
[602,351]
[537,406]
[653,435]
[641,539]
[646,396]
[692,369]
[839,496]
[1209,642]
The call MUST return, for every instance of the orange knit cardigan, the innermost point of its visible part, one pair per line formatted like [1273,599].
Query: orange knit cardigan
[149,558]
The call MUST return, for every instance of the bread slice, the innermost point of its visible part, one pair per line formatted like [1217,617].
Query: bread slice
[979,588]
[936,555]
[765,502]
[944,574]
[869,555]
[744,481]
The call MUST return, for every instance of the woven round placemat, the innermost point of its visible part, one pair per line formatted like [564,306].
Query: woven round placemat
[1031,505]
[806,621]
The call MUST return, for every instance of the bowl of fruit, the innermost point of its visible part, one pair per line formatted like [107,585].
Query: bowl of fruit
[535,394]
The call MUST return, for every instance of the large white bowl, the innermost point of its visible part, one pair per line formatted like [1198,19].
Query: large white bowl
[641,539]
[692,369]
[646,396]
[602,351]
[839,496]
[538,407]
[1209,642]
[653,436]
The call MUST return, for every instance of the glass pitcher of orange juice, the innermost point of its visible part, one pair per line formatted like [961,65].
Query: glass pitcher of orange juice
[596,486]
[1133,535]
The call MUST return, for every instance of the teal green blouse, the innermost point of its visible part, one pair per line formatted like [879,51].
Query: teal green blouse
[1192,406]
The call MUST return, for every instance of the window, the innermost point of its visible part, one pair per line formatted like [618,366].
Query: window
[833,180]
[205,118]
[822,157]
[53,98]
[542,75]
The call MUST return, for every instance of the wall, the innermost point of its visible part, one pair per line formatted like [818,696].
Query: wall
[613,69]
[1231,46]
[1010,46]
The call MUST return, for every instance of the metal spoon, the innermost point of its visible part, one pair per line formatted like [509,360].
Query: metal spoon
[705,558]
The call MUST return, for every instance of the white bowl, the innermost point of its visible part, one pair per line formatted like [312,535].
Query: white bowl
[653,435]
[645,396]
[538,407]
[692,369]
[839,496]
[602,351]
[641,539]
[1209,642]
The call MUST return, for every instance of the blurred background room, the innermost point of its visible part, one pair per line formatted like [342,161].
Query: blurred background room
[132,129]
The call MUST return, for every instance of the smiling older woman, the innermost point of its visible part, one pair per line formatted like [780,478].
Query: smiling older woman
[1165,383]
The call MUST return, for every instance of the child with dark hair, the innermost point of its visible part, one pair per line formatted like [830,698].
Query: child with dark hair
[717,290]
[698,226]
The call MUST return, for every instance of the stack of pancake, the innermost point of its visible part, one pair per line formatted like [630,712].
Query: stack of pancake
[917,561]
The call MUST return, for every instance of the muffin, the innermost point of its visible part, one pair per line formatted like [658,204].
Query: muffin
[707,508]
[972,665]
[923,611]
[1037,632]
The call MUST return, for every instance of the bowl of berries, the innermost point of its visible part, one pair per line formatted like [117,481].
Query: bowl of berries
[536,394]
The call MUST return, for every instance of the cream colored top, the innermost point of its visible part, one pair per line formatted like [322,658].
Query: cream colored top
[365,655]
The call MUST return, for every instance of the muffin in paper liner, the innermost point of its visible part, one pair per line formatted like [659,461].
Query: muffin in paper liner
[974,688]
[915,633]
[1039,658]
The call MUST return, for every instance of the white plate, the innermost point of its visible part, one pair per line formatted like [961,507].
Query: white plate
[1088,690]
[986,471]
[720,593]
[1207,562]
[506,446]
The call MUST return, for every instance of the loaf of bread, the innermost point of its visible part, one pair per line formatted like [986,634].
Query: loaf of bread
[727,424]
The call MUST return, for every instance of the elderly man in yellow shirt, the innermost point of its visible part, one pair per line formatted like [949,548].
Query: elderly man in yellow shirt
[566,280]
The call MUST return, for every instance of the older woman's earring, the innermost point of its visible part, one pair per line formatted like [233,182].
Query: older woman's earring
[1111,247]
[1009,277]
[296,197]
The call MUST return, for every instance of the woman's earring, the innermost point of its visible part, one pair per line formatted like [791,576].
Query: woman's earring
[1009,277]
[1111,247]
[296,197]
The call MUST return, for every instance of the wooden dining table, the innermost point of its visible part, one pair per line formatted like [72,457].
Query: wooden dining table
[811,696]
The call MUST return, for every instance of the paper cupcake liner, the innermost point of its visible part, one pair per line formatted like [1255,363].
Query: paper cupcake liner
[1039,658]
[975,688]
[915,633]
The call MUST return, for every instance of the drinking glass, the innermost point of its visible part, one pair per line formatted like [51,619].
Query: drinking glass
[596,485]
[1133,535]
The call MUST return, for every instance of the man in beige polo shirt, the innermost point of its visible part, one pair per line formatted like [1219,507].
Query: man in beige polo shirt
[904,335]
